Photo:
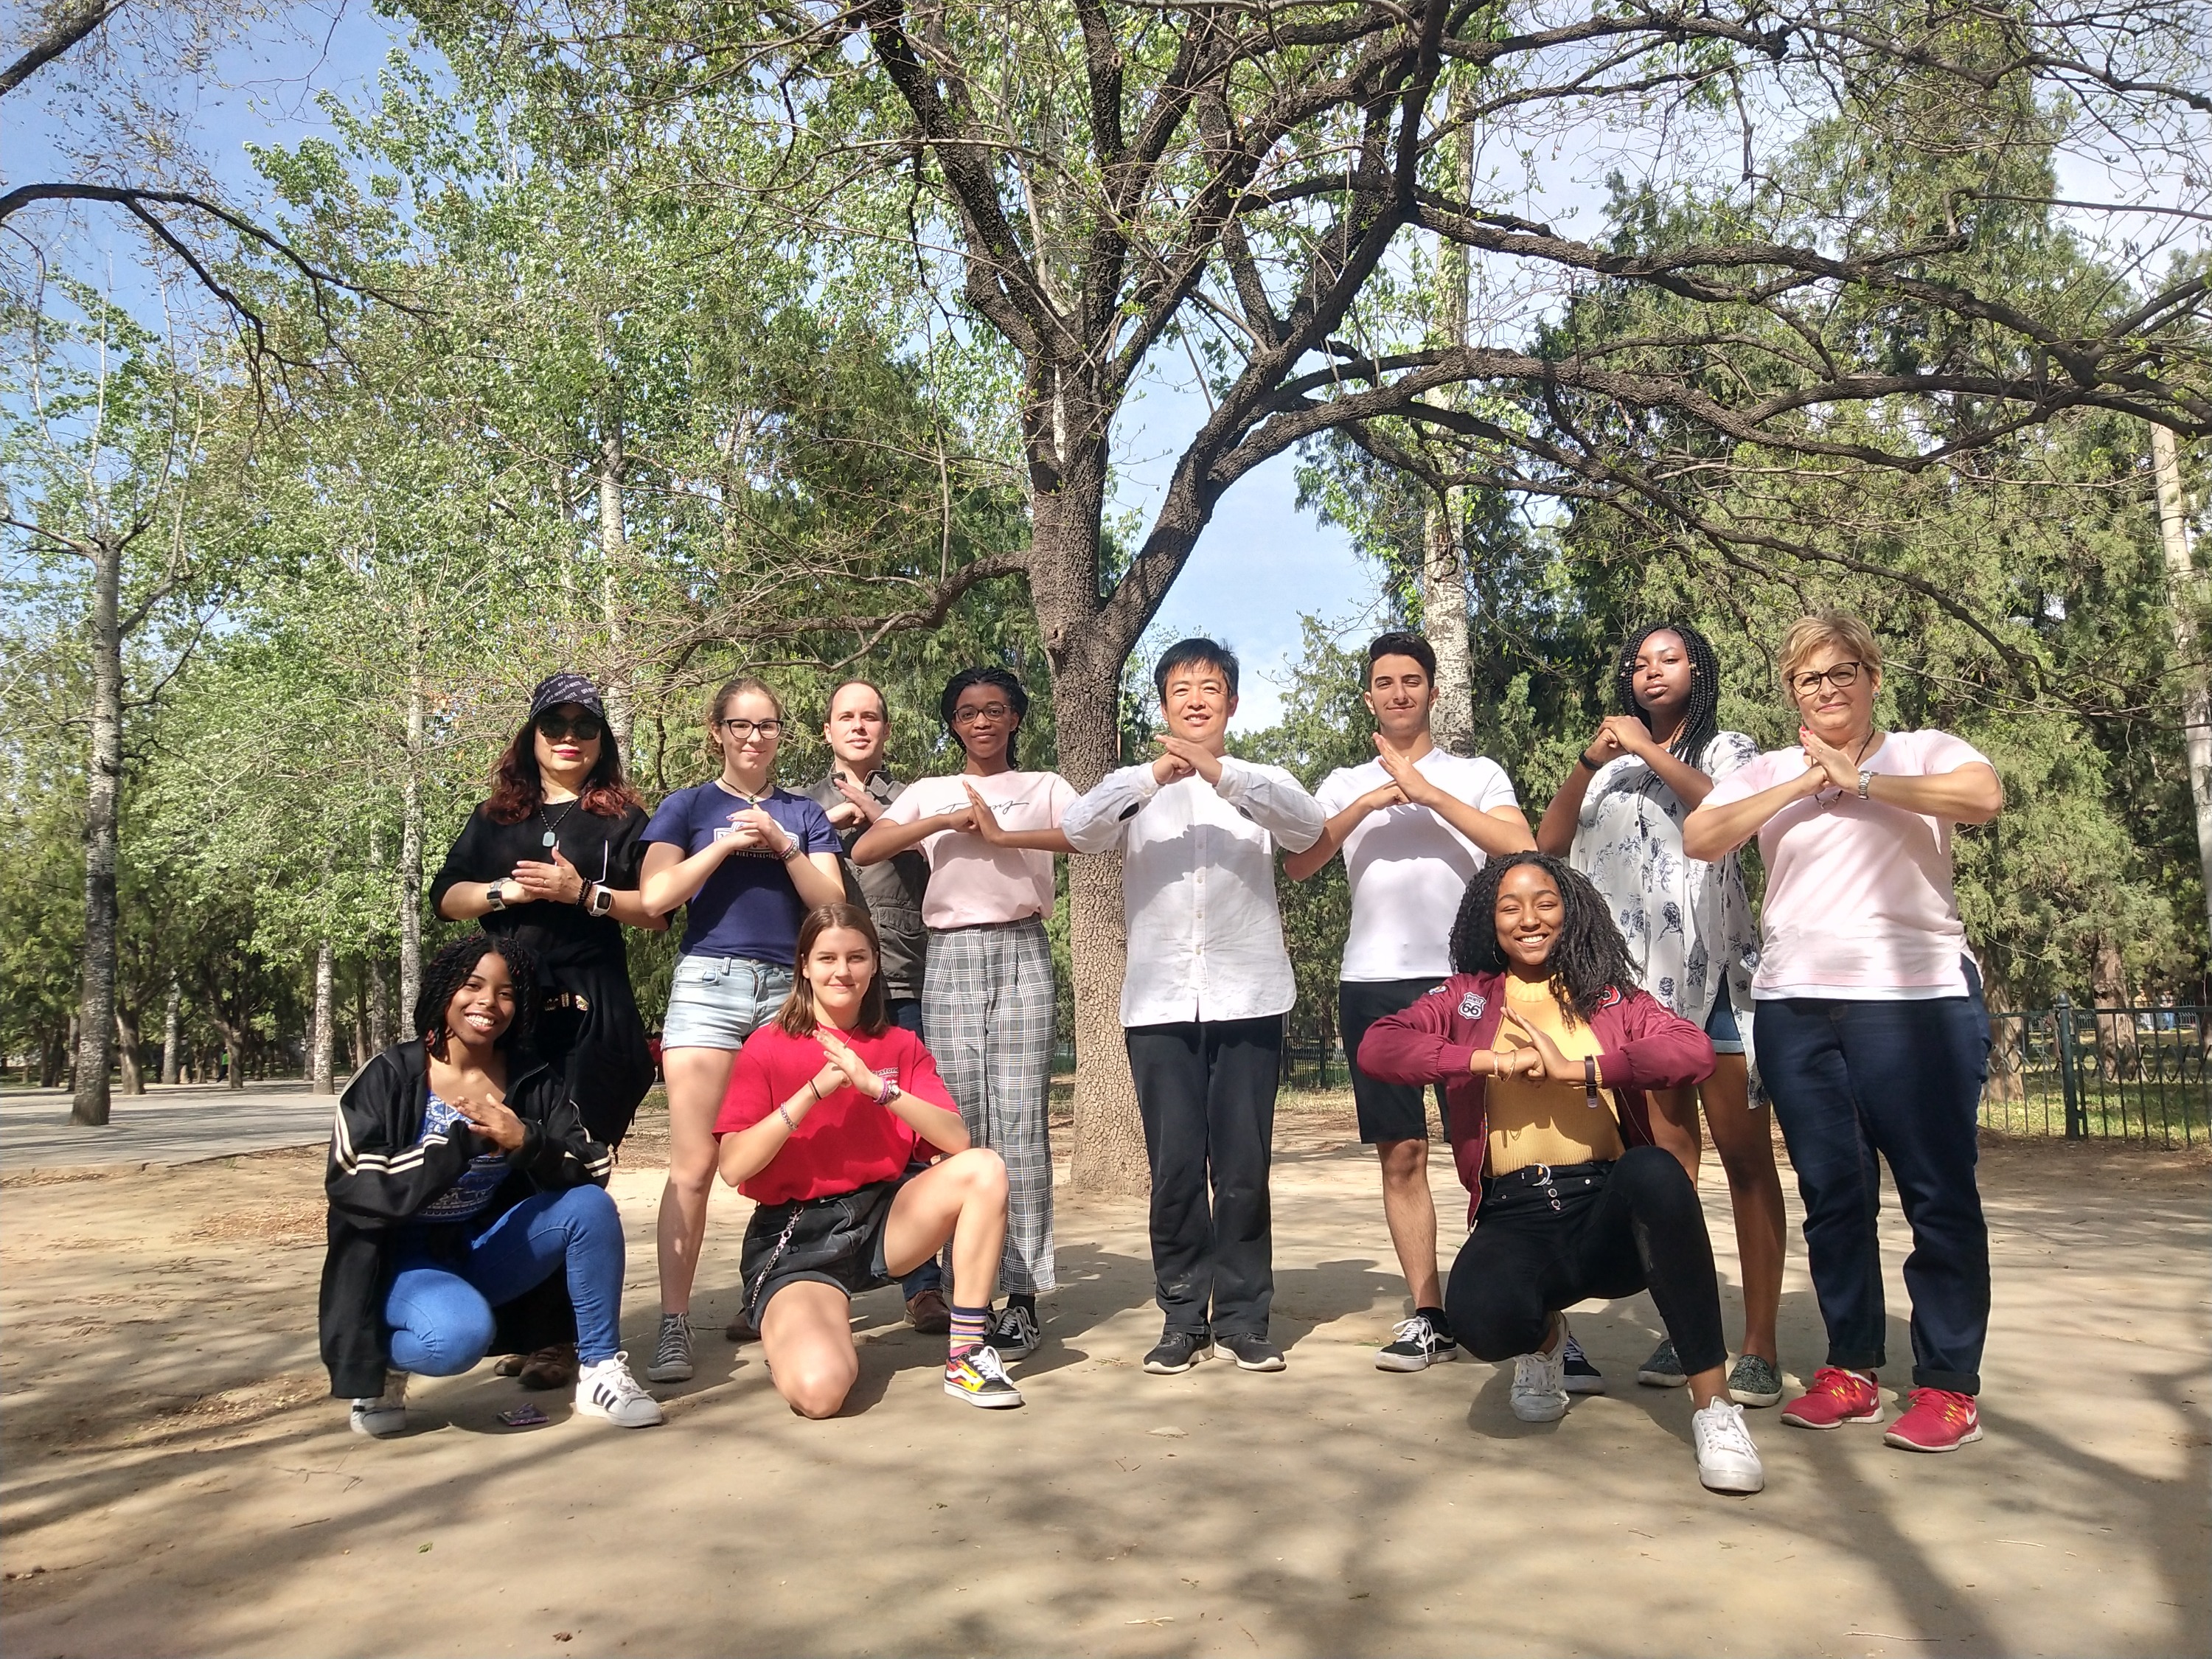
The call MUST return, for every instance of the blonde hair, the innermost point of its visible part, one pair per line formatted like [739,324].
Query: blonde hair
[1827,627]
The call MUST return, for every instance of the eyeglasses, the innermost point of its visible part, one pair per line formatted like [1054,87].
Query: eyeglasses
[743,729]
[989,711]
[1843,675]
[585,728]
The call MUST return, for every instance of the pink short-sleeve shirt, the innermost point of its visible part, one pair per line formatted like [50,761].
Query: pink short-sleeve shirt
[1859,903]
[972,882]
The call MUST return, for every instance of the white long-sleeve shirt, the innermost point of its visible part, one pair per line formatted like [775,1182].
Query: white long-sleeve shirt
[1198,882]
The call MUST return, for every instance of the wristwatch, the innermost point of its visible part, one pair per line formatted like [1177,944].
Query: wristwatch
[892,1092]
[1866,777]
[495,894]
[599,898]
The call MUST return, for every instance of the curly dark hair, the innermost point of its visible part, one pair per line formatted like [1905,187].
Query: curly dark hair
[998,679]
[1701,717]
[1588,957]
[447,972]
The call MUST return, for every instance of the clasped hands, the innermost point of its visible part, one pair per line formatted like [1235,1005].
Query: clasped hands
[1532,1055]
[749,828]
[842,1066]
[1826,767]
[559,881]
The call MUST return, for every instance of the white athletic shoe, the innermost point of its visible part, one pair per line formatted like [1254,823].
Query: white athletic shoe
[1540,1386]
[386,1415]
[607,1389]
[1727,1461]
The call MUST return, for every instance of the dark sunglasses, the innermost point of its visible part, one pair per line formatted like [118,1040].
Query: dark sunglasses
[585,728]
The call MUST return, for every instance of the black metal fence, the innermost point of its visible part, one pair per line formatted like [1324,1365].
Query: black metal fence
[2099,1073]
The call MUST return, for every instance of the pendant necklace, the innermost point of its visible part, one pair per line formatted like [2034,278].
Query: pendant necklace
[550,839]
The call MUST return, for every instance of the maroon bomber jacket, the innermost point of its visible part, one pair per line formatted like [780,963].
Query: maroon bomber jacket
[1642,1045]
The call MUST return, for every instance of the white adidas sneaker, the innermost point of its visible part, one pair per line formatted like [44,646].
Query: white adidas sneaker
[607,1389]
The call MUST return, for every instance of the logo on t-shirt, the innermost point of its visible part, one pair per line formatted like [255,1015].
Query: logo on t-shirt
[1471,1006]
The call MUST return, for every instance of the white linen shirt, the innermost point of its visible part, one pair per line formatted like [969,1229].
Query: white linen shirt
[1198,885]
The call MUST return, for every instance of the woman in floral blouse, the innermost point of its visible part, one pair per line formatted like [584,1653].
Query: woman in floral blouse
[1617,818]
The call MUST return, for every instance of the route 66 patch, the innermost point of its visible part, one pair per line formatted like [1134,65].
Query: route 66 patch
[1471,1006]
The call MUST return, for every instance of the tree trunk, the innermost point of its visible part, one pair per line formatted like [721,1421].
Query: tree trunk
[172,1017]
[321,1037]
[2003,1086]
[1444,621]
[379,1007]
[2116,1054]
[95,1019]
[614,563]
[126,1051]
[410,830]
[2182,595]
[53,1058]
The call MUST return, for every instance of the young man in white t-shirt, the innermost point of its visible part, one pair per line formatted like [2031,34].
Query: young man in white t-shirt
[1414,824]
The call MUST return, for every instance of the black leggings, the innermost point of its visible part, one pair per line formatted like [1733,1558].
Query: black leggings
[1602,1231]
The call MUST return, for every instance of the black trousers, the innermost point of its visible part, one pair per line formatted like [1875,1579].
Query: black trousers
[1206,1091]
[1600,1230]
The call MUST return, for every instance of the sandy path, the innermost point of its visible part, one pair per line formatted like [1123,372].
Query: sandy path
[176,1483]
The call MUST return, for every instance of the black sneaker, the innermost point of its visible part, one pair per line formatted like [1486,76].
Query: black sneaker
[1013,1335]
[1415,1345]
[1251,1354]
[1178,1351]
[1582,1377]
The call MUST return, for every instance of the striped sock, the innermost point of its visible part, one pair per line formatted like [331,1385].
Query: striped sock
[968,1325]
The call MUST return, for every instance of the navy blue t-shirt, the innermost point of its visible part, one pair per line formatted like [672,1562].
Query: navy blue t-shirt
[748,906]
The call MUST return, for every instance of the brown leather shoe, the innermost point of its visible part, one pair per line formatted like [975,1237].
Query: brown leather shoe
[927,1312]
[740,1329]
[550,1368]
[510,1365]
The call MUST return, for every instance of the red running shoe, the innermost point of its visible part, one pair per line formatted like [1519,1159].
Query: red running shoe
[1837,1397]
[1937,1420]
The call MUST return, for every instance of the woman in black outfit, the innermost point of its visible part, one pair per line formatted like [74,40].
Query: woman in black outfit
[551,862]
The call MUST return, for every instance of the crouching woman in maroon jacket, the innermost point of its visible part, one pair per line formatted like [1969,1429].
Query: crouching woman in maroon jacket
[1546,1047]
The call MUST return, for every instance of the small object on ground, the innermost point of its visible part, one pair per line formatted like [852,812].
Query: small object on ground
[1582,1377]
[1014,1333]
[550,1367]
[386,1415]
[1754,1380]
[1727,1461]
[926,1310]
[524,1416]
[1176,1352]
[607,1389]
[1664,1370]
[1415,1345]
[1836,1397]
[1936,1421]
[671,1351]
[1251,1354]
[978,1377]
[1540,1387]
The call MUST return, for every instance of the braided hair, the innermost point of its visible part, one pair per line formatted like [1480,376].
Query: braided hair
[1701,715]
[446,973]
[998,679]
[1589,956]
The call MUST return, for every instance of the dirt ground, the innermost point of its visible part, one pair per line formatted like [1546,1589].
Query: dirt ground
[175,1481]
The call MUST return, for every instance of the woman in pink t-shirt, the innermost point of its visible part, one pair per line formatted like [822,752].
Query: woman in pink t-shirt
[1868,1022]
[987,993]
[830,1107]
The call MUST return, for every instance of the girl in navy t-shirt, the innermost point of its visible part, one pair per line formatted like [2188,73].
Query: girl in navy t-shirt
[747,860]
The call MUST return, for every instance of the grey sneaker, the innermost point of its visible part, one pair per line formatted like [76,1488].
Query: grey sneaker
[1176,1352]
[1582,1377]
[1754,1381]
[386,1415]
[607,1389]
[1540,1387]
[1251,1354]
[1662,1370]
[672,1351]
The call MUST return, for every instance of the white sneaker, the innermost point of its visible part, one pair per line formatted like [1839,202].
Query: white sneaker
[607,1389]
[1727,1461]
[386,1415]
[1540,1386]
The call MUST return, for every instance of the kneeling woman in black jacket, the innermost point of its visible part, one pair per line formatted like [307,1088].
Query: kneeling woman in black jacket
[460,1176]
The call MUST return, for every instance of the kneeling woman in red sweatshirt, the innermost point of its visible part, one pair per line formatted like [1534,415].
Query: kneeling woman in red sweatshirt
[1545,1047]
[829,1106]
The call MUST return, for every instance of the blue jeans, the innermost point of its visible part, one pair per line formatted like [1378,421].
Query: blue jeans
[906,1014]
[1903,1079]
[439,1311]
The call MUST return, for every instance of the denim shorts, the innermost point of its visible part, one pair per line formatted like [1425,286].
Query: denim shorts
[1720,1026]
[717,1002]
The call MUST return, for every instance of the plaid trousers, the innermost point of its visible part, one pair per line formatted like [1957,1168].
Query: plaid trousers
[986,1014]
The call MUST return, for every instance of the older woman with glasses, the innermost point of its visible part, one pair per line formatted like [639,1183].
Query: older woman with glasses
[1868,1022]
[747,860]
[550,861]
[987,993]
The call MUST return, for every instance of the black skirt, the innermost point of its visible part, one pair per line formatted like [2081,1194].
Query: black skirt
[838,1239]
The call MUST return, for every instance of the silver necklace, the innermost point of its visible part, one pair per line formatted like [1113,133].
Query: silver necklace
[550,839]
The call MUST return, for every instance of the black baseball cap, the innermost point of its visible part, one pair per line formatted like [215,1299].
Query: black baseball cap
[566,686]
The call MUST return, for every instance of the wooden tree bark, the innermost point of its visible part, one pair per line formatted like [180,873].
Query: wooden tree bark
[321,1079]
[614,561]
[2181,588]
[411,829]
[172,1056]
[95,1019]
[1444,568]
[126,1051]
